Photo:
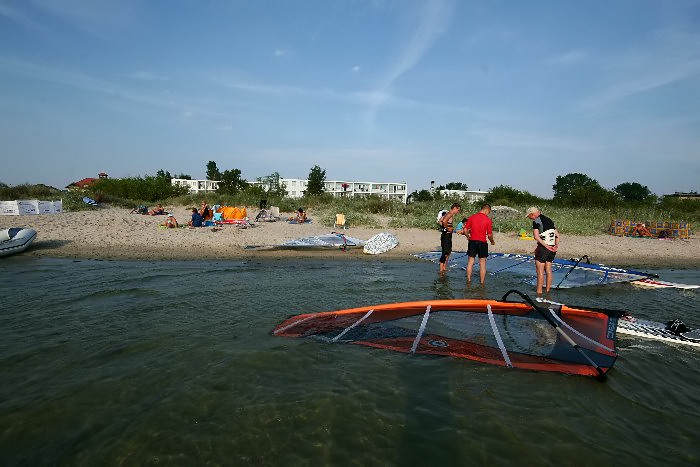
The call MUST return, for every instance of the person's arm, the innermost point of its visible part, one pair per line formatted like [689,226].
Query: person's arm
[489,233]
[538,240]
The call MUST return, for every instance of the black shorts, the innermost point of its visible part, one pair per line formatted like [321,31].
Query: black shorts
[477,247]
[446,243]
[543,255]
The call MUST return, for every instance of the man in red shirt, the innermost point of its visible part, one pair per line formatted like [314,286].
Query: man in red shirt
[478,227]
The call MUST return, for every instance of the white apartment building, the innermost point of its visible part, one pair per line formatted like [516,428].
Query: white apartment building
[470,196]
[296,187]
[196,186]
[389,190]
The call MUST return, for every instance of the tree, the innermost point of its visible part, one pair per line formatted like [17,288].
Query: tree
[273,185]
[183,176]
[317,179]
[231,182]
[164,174]
[457,186]
[504,194]
[423,195]
[213,171]
[634,192]
[566,184]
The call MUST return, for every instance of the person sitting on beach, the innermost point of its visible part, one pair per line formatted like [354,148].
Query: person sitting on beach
[170,222]
[206,212]
[461,228]
[196,219]
[641,230]
[157,211]
[300,217]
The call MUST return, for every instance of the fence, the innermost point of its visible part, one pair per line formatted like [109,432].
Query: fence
[28,207]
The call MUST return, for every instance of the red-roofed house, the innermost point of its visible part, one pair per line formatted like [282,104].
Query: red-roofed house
[86,182]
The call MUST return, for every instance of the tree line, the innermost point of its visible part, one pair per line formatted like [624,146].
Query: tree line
[570,190]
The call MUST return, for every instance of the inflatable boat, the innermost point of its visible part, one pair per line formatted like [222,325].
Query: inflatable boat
[15,240]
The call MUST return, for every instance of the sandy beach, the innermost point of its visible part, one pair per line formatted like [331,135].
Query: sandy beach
[115,233]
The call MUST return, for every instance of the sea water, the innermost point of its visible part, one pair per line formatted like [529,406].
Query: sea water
[173,362]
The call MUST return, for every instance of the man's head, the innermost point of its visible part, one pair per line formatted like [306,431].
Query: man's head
[456,207]
[486,208]
[532,213]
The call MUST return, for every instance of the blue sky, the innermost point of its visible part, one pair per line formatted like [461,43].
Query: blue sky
[485,93]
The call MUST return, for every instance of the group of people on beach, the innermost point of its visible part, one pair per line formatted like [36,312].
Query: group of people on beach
[479,227]
[199,217]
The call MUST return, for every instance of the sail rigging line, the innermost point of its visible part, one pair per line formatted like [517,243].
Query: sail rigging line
[575,265]
[335,339]
[420,330]
[511,266]
[277,331]
[601,373]
[499,341]
[578,333]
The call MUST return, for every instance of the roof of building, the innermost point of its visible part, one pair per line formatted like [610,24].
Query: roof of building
[83,183]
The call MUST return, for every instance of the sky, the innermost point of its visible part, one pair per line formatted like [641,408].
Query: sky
[484,93]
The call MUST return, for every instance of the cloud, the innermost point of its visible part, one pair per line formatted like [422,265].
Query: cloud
[17,16]
[435,17]
[149,76]
[87,84]
[94,17]
[572,57]
[672,58]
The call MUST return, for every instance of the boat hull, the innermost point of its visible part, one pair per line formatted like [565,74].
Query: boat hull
[17,240]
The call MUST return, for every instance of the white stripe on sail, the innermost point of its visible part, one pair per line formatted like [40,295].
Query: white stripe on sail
[498,338]
[293,324]
[352,326]
[420,331]
[575,331]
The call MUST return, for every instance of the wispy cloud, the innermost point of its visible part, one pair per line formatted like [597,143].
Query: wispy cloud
[674,57]
[17,16]
[94,17]
[88,85]
[435,17]
[572,57]
[149,76]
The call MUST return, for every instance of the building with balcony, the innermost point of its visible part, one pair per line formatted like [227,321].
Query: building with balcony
[470,196]
[344,188]
[196,186]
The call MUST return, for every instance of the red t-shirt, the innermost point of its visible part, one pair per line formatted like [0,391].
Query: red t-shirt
[480,226]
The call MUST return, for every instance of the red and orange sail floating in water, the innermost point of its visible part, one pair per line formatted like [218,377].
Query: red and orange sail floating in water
[528,335]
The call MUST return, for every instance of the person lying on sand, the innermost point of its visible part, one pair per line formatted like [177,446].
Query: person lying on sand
[157,211]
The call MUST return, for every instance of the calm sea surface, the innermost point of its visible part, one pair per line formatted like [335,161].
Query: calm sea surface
[173,363]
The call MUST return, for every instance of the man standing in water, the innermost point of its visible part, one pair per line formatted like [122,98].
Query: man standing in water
[446,229]
[547,238]
[478,227]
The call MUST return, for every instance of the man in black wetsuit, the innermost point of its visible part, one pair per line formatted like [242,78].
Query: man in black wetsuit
[547,238]
[446,229]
